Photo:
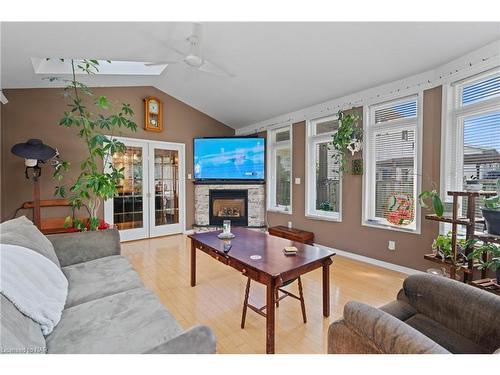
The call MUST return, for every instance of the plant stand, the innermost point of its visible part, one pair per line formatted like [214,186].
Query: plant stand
[469,221]
[489,285]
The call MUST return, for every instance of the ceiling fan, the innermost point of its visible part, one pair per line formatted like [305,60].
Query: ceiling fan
[194,59]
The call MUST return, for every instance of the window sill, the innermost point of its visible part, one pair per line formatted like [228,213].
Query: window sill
[390,227]
[336,219]
[279,211]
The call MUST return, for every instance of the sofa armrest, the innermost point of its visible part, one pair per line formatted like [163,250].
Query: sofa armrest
[78,247]
[197,340]
[381,333]
[464,309]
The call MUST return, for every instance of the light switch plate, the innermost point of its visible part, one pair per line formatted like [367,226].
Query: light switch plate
[297,180]
[189,176]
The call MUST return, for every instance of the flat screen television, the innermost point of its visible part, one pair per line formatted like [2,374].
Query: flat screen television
[225,159]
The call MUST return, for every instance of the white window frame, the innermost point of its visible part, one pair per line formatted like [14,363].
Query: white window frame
[369,175]
[310,190]
[272,147]
[453,128]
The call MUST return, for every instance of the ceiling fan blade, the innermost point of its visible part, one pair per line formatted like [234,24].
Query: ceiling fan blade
[161,63]
[211,68]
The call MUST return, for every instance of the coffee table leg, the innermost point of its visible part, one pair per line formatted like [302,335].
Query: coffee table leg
[326,289]
[270,318]
[193,263]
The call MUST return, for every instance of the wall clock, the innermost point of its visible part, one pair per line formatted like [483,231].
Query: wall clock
[153,114]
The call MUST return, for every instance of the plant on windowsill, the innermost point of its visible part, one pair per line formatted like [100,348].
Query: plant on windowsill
[349,137]
[488,256]
[491,212]
[326,206]
[94,183]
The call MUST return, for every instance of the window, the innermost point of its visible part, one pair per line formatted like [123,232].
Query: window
[280,169]
[392,164]
[323,189]
[471,142]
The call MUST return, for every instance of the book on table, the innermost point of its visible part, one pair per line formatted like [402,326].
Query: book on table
[290,250]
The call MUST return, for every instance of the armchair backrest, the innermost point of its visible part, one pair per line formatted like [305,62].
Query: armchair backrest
[464,309]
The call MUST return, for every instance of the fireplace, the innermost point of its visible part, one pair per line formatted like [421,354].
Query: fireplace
[228,205]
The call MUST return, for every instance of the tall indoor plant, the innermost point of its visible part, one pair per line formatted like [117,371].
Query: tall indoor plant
[98,177]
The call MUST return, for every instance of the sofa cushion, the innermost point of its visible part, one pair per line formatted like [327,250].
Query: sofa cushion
[129,322]
[18,333]
[22,232]
[99,278]
[399,309]
[445,337]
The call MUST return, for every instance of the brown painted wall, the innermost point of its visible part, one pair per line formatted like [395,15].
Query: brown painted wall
[35,113]
[350,235]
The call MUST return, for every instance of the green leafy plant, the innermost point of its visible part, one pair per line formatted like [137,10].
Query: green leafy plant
[442,244]
[493,203]
[437,203]
[326,206]
[488,256]
[94,183]
[347,133]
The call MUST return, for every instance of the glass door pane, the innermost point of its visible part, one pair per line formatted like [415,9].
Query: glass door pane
[166,168]
[128,211]
[127,206]
[166,183]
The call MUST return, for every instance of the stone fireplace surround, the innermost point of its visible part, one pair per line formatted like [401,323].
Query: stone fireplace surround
[256,202]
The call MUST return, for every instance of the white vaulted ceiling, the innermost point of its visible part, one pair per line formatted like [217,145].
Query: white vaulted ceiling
[277,67]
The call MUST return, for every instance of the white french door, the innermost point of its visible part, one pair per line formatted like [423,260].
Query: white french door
[150,199]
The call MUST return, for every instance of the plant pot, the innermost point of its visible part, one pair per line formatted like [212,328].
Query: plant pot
[473,186]
[492,219]
[498,276]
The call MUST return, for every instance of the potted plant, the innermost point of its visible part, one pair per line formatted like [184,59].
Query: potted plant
[437,203]
[442,248]
[94,183]
[488,256]
[491,212]
[472,184]
[348,137]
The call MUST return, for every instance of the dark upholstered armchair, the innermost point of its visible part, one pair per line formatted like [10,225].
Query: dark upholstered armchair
[431,314]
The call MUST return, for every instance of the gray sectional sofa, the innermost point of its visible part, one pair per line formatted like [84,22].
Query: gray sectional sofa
[431,315]
[108,309]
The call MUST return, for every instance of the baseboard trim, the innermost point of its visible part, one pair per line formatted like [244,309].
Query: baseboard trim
[375,262]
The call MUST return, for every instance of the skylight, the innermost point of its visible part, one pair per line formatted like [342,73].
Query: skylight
[55,66]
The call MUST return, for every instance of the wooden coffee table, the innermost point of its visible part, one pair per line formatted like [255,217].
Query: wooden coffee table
[273,268]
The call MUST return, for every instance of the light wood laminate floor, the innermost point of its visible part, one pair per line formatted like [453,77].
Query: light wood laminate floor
[216,301]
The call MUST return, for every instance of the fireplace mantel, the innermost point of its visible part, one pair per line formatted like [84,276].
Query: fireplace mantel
[256,202]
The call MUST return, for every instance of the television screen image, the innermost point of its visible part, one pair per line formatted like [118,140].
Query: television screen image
[229,158]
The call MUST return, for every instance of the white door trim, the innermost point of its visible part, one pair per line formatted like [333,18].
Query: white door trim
[180,148]
[145,144]
[137,233]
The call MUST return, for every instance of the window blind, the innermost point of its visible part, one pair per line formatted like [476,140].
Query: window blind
[472,135]
[391,157]
[396,111]
[482,90]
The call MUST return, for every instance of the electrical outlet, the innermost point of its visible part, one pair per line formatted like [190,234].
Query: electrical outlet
[392,245]
[297,180]
[289,224]
[189,176]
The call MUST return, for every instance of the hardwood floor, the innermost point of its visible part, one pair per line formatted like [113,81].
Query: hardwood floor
[217,300]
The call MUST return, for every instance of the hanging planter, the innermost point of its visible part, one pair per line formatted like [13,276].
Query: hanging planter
[348,138]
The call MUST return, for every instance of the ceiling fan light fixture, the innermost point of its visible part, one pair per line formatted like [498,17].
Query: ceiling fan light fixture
[193,60]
